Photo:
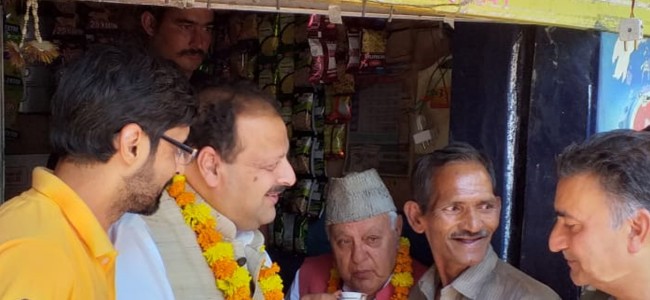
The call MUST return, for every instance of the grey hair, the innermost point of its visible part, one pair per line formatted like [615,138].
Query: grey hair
[620,159]
[392,216]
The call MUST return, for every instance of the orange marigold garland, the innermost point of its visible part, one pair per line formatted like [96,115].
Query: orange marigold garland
[271,283]
[335,281]
[402,278]
[230,278]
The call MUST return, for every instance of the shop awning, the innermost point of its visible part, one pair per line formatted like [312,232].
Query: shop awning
[602,15]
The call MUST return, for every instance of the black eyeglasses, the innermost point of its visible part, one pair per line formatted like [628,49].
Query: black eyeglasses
[185,153]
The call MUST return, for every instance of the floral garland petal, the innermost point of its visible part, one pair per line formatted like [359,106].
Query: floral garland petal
[220,251]
[230,278]
[402,279]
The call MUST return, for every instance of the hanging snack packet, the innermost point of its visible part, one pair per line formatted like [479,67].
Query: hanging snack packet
[287,32]
[373,50]
[267,79]
[338,108]
[354,50]
[300,197]
[330,60]
[67,21]
[302,112]
[300,235]
[317,158]
[316,202]
[286,70]
[329,40]
[303,60]
[318,112]
[317,61]
[287,238]
[286,111]
[316,48]
[327,140]
[248,27]
[322,44]
[339,135]
[12,35]
[334,136]
[243,60]
[301,29]
[268,31]
[300,160]
[100,18]
[344,83]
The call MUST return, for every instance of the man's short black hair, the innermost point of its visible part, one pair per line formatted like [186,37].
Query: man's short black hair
[111,87]
[219,108]
[620,159]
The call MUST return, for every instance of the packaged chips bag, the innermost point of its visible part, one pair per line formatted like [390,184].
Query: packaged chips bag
[373,50]
[334,136]
[268,31]
[301,155]
[354,50]
[302,119]
[322,44]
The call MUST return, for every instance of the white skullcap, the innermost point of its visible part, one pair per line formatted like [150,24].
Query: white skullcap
[356,197]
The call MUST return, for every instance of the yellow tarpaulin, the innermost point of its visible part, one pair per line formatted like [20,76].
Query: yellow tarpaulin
[595,14]
[602,15]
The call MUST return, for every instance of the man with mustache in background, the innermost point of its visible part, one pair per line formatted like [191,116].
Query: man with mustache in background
[226,194]
[180,35]
[455,207]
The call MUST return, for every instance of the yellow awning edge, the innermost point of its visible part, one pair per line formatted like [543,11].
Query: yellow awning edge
[602,15]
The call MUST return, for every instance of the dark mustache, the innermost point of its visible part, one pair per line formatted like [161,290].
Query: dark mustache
[277,189]
[191,52]
[465,234]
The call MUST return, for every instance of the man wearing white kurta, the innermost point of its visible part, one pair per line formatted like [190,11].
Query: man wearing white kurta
[240,171]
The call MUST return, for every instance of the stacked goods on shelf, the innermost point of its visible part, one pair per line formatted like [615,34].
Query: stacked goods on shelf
[309,65]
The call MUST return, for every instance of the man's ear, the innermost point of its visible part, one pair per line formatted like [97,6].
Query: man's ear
[639,227]
[131,143]
[209,163]
[148,22]
[414,216]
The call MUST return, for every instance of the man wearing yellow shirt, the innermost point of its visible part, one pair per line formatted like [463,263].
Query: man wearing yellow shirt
[118,121]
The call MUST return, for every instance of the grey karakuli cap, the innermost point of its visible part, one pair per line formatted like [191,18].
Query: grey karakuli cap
[356,197]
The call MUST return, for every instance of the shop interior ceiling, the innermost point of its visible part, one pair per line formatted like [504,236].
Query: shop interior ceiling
[603,15]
